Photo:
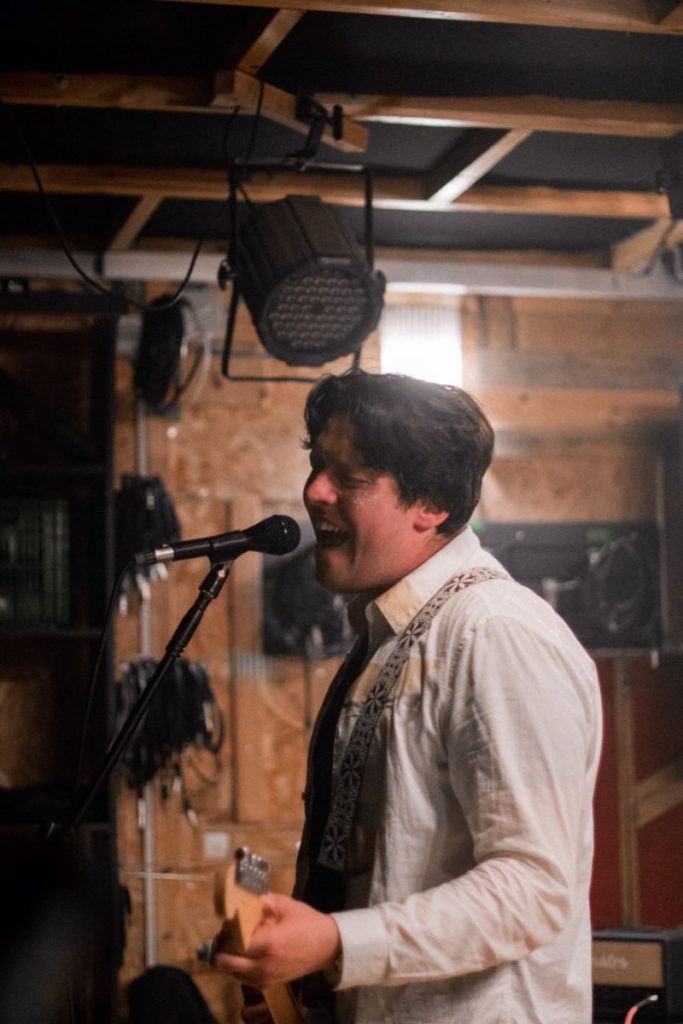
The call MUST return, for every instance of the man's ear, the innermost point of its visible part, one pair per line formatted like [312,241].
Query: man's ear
[428,517]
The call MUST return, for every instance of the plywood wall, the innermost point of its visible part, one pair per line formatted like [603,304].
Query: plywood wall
[577,440]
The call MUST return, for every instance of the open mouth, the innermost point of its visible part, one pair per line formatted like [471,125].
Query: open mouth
[327,537]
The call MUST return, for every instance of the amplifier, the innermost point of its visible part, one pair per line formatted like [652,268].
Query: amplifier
[630,964]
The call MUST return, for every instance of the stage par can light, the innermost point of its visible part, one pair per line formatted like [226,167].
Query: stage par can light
[310,294]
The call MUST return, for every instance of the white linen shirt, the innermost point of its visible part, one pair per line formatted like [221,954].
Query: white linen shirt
[471,855]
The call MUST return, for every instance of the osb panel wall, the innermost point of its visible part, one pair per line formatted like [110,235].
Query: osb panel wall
[566,452]
[581,394]
[232,457]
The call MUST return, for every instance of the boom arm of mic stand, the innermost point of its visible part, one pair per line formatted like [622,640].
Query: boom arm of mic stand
[209,589]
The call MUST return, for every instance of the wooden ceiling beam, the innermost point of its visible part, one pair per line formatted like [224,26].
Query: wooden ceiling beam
[237,89]
[203,184]
[639,253]
[134,223]
[634,255]
[534,113]
[185,94]
[264,39]
[562,202]
[179,94]
[469,161]
[674,19]
[343,189]
[599,15]
[227,90]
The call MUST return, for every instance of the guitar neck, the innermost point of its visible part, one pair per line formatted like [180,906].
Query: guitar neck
[238,896]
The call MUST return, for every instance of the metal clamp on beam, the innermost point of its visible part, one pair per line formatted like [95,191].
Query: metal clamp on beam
[314,114]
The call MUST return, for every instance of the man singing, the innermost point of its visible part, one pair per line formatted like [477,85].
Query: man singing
[445,864]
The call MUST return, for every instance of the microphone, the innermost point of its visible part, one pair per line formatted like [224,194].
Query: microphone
[277,535]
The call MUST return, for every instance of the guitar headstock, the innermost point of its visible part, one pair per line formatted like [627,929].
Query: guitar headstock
[238,891]
[251,872]
[237,898]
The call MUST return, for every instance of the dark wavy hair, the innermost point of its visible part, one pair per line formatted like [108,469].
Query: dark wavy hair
[433,439]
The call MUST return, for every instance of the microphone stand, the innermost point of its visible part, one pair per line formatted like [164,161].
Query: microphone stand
[209,589]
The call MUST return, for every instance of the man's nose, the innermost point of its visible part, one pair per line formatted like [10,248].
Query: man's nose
[319,489]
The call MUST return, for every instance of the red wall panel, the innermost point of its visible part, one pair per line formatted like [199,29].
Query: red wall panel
[657,721]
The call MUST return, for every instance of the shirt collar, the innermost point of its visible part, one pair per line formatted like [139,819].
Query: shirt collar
[394,608]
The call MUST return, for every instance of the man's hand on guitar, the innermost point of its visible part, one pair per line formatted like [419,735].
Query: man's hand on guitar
[291,940]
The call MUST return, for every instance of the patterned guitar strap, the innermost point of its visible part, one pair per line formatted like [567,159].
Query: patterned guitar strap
[337,830]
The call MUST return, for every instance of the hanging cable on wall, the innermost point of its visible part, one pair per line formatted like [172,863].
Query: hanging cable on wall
[188,717]
[145,517]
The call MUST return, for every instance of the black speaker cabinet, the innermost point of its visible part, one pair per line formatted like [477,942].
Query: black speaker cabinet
[601,577]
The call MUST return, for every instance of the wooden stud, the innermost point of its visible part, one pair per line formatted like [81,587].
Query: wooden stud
[469,161]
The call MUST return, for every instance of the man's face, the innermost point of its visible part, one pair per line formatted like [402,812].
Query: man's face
[366,539]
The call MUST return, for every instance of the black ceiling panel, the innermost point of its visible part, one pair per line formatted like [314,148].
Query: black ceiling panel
[120,37]
[162,139]
[86,221]
[461,230]
[582,161]
[440,57]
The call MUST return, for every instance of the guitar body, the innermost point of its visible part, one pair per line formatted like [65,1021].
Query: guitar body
[237,899]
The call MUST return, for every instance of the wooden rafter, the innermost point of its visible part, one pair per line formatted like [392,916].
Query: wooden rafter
[536,113]
[198,95]
[563,202]
[265,39]
[599,15]
[637,254]
[389,192]
[469,161]
[134,223]
[237,89]
[200,183]
[674,19]
[227,90]
[175,93]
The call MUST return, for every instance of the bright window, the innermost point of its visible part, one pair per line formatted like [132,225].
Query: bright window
[422,341]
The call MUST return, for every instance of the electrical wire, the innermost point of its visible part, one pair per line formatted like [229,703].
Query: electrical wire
[634,1009]
[89,280]
[256,124]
